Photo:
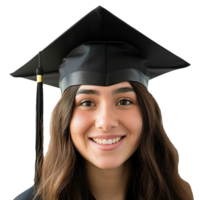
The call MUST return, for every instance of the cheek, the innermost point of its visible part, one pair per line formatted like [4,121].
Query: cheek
[133,123]
[132,120]
[78,127]
[78,120]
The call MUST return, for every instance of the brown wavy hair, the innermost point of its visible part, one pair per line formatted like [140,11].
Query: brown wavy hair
[154,164]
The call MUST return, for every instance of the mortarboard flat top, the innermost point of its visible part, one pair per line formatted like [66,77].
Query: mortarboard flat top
[100,25]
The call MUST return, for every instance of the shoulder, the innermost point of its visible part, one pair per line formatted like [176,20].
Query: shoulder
[26,195]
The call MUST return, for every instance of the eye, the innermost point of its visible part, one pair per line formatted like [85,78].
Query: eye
[126,100]
[85,102]
[123,100]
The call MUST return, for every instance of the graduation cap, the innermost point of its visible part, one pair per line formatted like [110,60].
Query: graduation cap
[100,49]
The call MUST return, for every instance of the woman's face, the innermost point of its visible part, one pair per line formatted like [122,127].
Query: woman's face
[105,115]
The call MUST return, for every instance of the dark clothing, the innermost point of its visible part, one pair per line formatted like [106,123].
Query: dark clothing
[26,195]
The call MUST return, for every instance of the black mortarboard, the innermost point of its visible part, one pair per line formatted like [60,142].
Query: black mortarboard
[100,49]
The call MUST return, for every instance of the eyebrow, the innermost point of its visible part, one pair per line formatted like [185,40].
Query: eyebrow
[96,92]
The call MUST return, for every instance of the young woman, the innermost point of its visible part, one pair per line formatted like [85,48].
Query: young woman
[107,137]
[143,164]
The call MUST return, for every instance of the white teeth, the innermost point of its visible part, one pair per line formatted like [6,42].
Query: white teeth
[109,141]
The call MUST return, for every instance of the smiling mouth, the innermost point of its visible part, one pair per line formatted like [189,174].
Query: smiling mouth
[107,144]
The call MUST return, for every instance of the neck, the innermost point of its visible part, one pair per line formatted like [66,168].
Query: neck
[108,184]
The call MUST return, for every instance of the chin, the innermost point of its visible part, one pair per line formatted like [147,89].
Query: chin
[108,164]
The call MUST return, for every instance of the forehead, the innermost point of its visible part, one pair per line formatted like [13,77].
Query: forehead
[111,87]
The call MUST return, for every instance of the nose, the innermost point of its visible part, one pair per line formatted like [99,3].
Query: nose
[106,118]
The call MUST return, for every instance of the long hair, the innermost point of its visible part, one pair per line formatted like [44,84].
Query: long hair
[154,171]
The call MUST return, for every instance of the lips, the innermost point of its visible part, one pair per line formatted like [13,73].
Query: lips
[107,147]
